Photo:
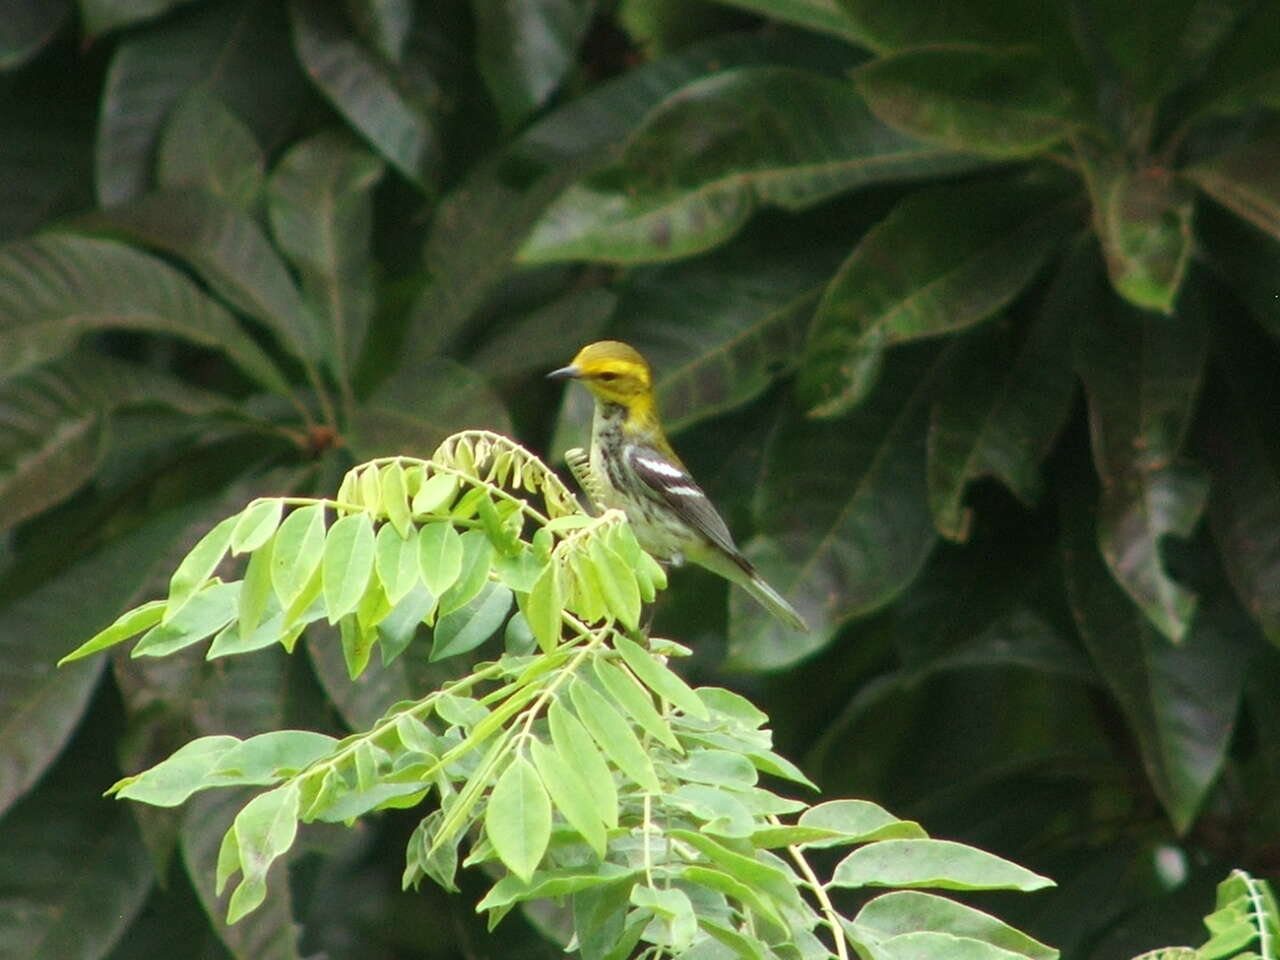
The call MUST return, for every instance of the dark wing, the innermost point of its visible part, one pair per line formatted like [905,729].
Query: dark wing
[671,484]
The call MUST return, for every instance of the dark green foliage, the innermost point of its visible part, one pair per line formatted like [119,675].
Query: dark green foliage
[965,315]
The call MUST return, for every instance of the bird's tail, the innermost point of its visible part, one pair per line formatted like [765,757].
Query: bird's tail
[738,569]
[773,601]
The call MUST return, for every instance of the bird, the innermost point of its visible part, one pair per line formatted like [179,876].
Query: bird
[633,468]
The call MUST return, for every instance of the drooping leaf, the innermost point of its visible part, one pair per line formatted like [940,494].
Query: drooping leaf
[1141,374]
[227,248]
[944,259]
[911,911]
[1179,701]
[76,870]
[1143,219]
[207,147]
[1000,405]
[55,288]
[55,424]
[348,564]
[842,515]
[570,793]
[571,739]
[470,625]
[614,735]
[524,49]
[517,819]
[298,552]
[322,218]
[363,90]
[703,160]
[985,100]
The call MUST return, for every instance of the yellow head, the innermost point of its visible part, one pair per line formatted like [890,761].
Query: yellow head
[614,372]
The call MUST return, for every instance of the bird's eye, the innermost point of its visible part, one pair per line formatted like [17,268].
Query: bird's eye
[608,375]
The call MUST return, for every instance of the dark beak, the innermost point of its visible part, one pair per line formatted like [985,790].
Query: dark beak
[570,372]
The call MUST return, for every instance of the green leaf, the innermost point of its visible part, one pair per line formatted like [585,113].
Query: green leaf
[571,739]
[256,592]
[694,172]
[929,945]
[207,612]
[264,830]
[58,287]
[524,50]
[614,736]
[1245,912]
[910,911]
[744,893]
[229,250]
[857,821]
[1142,374]
[750,870]
[945,259]
[624,691]
[660,678]
[1244,74]
[470,625]
[348,564]
[395,499]
[129,623]
[1143,219]
[553,884]
[1003,103]
[477,556]
[545,606]
[256,523]
[674,908]
[170,782]
[617,582]
[721,812]
[396,560]
[206,146]
[824,16]
[440,556]
[1001,403]
[435,494]
[932,863]
[321,211]
[842,515]
[517,819]
[198,566]
[570,793]
[363,90]
[298,552]
[1180,701]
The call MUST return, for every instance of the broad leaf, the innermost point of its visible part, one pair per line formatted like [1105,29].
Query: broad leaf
[523,50]
[1143,218]
[1179,701]
[363,90]
[348,564]
[319,200]
[910,911]
[943,260]
[232,49]
[843,516]
[56,288]
[54,423]
[1141,374]
[207,147]
[1001,402]
[517,819]
[703,160]
[990,101]
[932,863]
[229,251]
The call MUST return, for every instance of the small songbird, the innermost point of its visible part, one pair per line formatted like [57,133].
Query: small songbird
[633,468]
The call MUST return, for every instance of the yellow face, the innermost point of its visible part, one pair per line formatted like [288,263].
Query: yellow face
[611,370]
